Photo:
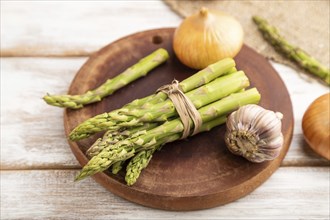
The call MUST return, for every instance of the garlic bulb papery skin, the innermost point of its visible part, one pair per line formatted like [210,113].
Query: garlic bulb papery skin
[254,133]
[207,37]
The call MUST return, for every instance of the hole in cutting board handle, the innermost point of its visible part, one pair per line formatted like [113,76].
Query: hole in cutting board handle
[157,39]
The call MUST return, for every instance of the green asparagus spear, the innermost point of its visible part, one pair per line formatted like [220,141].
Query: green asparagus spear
[303,59]
[116,167]
[200,96]
[212,72]
[128,148]
[111,137]
[136,165]
[111,85]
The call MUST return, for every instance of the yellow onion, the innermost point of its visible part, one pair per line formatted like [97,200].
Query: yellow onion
[206,37]
[316,125]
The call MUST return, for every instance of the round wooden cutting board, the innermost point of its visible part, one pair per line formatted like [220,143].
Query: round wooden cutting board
[191,174]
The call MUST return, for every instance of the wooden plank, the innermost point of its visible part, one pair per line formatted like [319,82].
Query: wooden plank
[53,194]
[303,90]
[32,132]
[68,28]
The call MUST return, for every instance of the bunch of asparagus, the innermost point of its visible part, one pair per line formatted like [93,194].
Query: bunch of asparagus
[138,129]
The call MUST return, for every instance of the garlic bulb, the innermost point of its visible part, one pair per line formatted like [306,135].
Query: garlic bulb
[254,133]
[207,37]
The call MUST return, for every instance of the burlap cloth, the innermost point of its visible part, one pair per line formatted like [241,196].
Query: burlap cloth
[304,23]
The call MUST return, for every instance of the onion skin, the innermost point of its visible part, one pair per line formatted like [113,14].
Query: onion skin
[207,37]
[316,125]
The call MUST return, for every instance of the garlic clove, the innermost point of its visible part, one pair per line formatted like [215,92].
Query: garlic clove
[272,143]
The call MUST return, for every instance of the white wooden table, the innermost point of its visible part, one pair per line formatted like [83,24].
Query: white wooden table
[43,44]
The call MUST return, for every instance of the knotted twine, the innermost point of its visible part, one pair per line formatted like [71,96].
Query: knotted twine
[185,108]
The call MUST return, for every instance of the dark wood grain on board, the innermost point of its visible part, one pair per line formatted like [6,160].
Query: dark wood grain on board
[191,174]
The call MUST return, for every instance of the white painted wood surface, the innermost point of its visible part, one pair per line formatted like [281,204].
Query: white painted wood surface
[75,28]
[37,166]
[291,193]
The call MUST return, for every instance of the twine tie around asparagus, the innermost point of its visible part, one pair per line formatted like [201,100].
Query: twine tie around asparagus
[185,108]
